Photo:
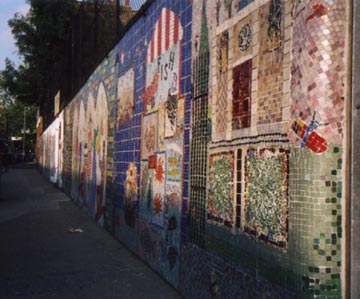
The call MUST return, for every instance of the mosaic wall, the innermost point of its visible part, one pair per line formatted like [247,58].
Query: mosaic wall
[317,132]
[284,177]
[51,154]
[153,86]
[88,142]
[210,142]
[89,146]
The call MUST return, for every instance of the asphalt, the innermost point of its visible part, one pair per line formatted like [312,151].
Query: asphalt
[41,258]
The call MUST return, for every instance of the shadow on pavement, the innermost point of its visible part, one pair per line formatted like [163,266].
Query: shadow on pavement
[42,256]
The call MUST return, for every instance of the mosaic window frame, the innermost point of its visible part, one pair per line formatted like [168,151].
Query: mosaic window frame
[241,95]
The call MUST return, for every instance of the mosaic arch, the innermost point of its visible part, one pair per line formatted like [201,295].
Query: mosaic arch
[89,146]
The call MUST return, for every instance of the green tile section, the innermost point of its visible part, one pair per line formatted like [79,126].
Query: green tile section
[311,265]
[315,220]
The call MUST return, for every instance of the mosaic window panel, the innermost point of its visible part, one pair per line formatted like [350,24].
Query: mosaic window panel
[174,162]
[270,71]
[221,188]
[243,3]
[222,81]
[171,107]
[266,195]
[241,42]
[274,29]
[223,51]
[221,104]
[158,189]
[172,198]
[125,98]
[150,135]
[131,195]
[241,93]
[146,189]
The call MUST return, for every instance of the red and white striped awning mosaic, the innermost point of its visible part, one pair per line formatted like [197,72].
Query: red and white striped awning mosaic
[168,31]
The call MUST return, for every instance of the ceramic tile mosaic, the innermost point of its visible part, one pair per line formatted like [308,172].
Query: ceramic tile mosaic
[50,159]
[318,72]
[67,147]
[241,95]
[243,3]
[125,104]
[242,39]
[205,275]
[148,93]
[87,143]
[266,195]
[316,219]
[162,129]
[198,151]
[210,141]
[270,69]
[220,112]
[221,188]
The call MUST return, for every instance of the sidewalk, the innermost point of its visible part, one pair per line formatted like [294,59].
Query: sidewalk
[40,258]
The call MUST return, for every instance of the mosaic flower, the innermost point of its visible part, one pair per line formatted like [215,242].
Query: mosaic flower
[159,171]
[244,37]
[157,204]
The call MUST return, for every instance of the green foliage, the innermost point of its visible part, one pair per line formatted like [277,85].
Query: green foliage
[12,117]
[40,37]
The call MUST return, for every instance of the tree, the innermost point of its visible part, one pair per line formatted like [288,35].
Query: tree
[40,37]
[12,110]
[61,42]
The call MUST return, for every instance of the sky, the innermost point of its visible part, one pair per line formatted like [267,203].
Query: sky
[7,47]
